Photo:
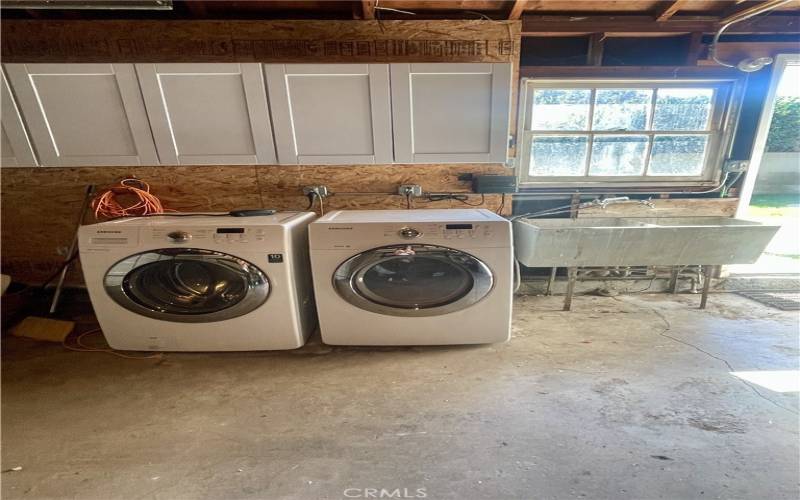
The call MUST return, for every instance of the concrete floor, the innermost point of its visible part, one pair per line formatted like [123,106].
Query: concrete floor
[625,397]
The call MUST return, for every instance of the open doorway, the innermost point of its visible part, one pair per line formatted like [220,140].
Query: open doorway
[771,192]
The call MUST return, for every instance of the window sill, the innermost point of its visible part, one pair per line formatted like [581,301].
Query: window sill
[643,186]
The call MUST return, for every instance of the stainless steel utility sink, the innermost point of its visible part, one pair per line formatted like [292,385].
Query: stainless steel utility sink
[639,241]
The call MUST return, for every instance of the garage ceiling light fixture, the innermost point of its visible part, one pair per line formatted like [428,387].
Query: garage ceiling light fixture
[750,64]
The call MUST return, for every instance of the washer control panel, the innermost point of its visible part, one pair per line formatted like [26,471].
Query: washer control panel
[220,235]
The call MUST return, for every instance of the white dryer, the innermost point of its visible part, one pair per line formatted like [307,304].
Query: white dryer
[201,283]
[412,277]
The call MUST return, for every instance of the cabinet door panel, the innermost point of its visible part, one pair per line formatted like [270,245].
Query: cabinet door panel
[15,145]
[84,114]
[451,112]
[331,113]
[208,114]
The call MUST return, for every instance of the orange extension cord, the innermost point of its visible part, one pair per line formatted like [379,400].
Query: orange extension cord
[107,205]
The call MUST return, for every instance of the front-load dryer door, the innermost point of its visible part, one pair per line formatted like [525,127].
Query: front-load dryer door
[187,285]
[413,280]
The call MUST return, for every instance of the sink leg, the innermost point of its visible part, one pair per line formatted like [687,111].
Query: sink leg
[707,270]
[551,281]
[572,275]
[673,280]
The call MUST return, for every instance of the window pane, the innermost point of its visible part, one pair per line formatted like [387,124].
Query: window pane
[621,109]
[682,109]
[560,109]
[558,155]
[678,155]
[618,155]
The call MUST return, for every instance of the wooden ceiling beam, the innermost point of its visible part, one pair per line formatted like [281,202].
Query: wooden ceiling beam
[669,9]
[535,25]
[517,9]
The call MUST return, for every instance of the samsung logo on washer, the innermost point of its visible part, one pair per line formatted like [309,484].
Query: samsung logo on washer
[339,228]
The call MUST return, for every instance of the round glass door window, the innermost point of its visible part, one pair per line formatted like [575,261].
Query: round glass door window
[187,285]
[413,280]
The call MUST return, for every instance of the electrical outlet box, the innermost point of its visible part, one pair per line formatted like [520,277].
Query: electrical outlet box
[735,166]
[494,184]
[410,190]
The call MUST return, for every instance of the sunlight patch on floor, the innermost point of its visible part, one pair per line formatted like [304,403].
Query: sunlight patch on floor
[774,380]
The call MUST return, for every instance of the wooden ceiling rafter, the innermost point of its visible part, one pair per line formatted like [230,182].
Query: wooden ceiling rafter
[368,9]
[517,9]
[594,56]
[695,49]
[669,9]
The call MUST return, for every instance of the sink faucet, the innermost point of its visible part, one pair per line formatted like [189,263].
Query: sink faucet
[648,203]
[610,201]
[597,202]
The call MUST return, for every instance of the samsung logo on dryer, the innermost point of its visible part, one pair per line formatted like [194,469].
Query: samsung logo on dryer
[101,231]
[339,228]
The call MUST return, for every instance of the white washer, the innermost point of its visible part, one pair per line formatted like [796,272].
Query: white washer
[201,283]
[412,277]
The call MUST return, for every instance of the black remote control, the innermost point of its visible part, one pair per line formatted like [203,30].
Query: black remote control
[252,212]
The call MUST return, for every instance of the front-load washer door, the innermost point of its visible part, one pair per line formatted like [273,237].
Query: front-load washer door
[187,285]
[413,280]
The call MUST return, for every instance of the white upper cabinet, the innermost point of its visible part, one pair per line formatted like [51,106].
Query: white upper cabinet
[331,113]
[15,146]
[83,114]
[208,114]
[451,112]
[249,113]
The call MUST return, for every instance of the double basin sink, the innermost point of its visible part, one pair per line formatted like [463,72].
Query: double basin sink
[639,241]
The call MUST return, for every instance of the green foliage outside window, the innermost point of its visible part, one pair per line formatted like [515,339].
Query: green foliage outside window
[784,133]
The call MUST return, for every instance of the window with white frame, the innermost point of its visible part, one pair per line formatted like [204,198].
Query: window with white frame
[582,131]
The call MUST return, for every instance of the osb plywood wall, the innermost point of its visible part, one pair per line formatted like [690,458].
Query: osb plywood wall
[28,41]
[40,205]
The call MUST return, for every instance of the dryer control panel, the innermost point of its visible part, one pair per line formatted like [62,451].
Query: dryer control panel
[444,231]
[483,234]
